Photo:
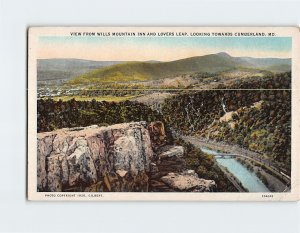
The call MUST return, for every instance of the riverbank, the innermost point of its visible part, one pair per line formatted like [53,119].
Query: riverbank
[273,183]
[263,169]
[235,182]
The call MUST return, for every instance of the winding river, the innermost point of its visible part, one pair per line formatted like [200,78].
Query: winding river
[248,179]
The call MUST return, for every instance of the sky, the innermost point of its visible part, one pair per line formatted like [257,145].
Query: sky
[160,48]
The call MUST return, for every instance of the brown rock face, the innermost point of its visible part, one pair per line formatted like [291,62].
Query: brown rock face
[157,134]
[113,158]
[128,157]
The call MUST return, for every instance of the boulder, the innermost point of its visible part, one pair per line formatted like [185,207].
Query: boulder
[169,159]
[171,151]
[188,181]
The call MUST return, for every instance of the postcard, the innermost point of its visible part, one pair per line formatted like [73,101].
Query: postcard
[163,113]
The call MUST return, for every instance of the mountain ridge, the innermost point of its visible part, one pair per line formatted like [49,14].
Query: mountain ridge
[211,63]
[54,69]
[87,71]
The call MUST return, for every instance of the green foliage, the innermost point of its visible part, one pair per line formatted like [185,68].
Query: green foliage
[261,121]
[108,98]
[61,114]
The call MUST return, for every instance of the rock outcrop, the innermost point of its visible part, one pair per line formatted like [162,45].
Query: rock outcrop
[170,174]
[188,181]
[171,151]
[128,157]
[157,134]
[114,158]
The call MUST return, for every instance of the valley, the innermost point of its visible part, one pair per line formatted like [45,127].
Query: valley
[230,115]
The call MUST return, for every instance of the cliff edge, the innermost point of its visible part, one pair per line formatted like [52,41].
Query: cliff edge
[117,158]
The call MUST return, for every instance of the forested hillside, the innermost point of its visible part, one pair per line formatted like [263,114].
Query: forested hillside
[61,114]
[259,120]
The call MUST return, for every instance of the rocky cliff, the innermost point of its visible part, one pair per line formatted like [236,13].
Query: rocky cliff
[128,157]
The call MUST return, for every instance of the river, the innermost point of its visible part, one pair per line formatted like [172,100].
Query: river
[248,179]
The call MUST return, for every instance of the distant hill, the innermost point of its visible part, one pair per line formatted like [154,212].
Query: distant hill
[271,64]
[144,71]
[64,69]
